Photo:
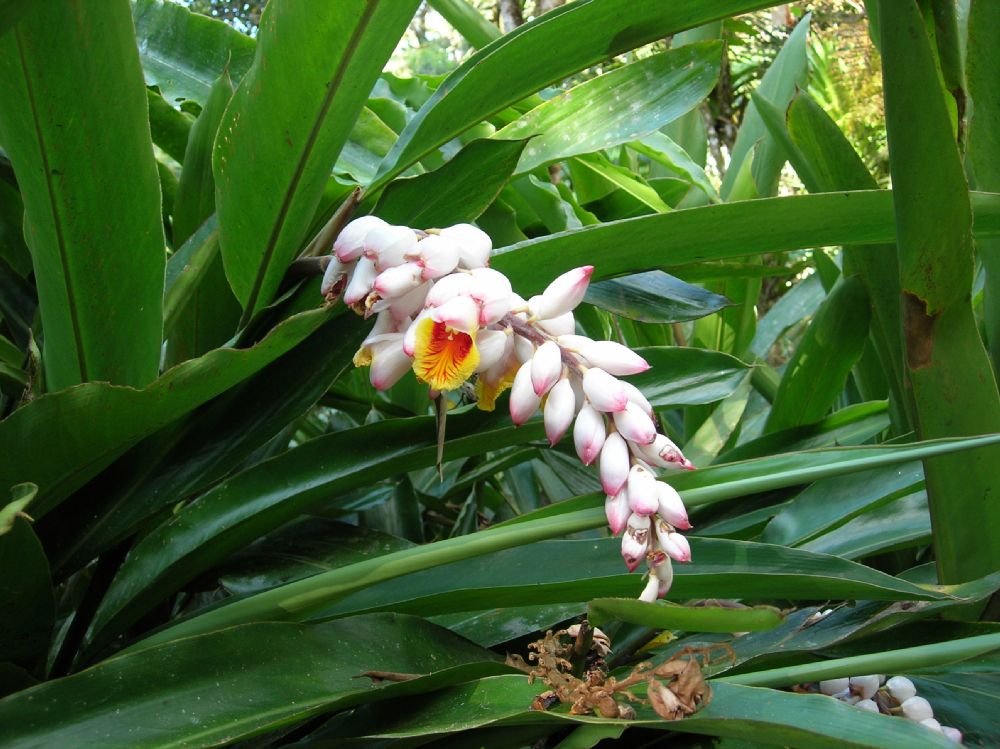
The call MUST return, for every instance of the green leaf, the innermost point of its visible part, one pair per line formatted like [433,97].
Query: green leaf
[620,106]
[817,372]
[953,383]
[455,193]
[270,170]
[687,376]
[239,682]
[11,12]
[621,178]
[716,232]
[655,297]
[964,695]
[541,52]
[600,611]
[13,250]
[60,61]
[184,53]
[169,127]
[467,21]
[900,524]
[64,438]
[26,597]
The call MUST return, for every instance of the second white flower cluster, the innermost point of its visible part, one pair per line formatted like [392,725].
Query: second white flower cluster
[442,312]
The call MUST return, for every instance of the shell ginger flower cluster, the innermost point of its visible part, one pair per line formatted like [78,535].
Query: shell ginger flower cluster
[442,312]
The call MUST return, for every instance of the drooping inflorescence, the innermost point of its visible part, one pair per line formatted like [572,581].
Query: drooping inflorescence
[442,312]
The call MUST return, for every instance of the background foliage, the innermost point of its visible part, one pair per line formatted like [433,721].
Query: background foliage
[213,523]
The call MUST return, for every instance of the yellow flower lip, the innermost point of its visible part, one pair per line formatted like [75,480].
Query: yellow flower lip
[444,358]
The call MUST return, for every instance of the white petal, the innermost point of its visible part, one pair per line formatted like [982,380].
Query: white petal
[361,281]
[917,709]
[546,367]
[438,255]
[398,280]
[524,348]
[651,592]
[614,358]
[335,270]
[867,705]
[474,244]
[388,245]
[635,541]
[448,287]
[832,687]
[491,345]
[560,407]
[410,303]
[617,511]
[635,395]
[900,688]
[864,686]
[557,326]
[460,313]
[604,391]
[389,364]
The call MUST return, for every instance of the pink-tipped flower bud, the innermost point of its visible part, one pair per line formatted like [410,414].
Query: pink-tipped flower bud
[350,243]
[562,295]
[635,396]
[617,511]
[615,464]
[493,292]
[675,544]
[334,273]
[589,434]
[398,280]
[389,245]
[436,255]
[642,491]
[523,401]
[546,367]
[671,507]
[389,363]
[661,453]
[634,424]
[560,408]
[449,287]
[635,541]
[604,391]
[362,280]
[952,734]
[474,244]
[613,358]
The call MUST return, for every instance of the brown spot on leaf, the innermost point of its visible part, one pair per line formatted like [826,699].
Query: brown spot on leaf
[918,331]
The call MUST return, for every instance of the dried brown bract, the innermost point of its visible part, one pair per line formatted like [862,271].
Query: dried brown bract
[676,688]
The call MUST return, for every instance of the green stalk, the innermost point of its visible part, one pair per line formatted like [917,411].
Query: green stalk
[954,388]
[889,662]
[303,597]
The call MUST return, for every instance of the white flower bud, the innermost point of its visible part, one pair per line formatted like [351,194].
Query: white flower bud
[389,363]
[864,686]
[523,401]
[493,292]
[674,544]
[617,511]
[917,709]
[834,687]
[642,491]
[474,244]
[335,270]
[635,541]
[437,256]
[868,705]
[562,295]
[589,434]
[932,724]
[398,280]
[546,367]
[900,688]
[459,313]
[560,408]
[361,281]
[651,591]
[491,344]
[350,243]
[670,506]
[615,464]
[389,245]
[604,392]
[613,358]
[634,424]
[952,734]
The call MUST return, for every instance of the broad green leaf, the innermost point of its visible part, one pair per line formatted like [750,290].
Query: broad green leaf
[200,312]
[716,232]
[455,193]
[655,297]
[900,524]
[713,434]
[687,376]
[61,61]
[467,21]
[62,439]
[26,596]
[368,143]
[964,695]
[492,627]
[306,547]
[11,12]
[233,430]
[619,106]
[541,52]
[817,372]
[830,502]
[794,307]
[13,250]
[625,180]
[954,386]
[783,78]
[550,571]
[600,611]
[239,682]
[184,53]
[285,126]
[664,151]
[760,715]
